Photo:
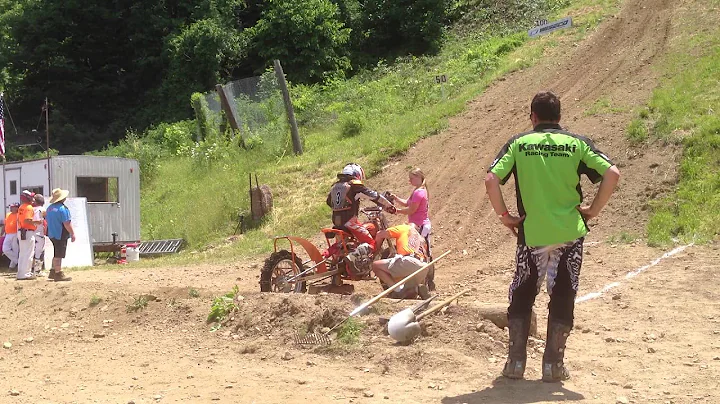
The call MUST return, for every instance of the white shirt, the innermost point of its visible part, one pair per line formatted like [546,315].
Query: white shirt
[38,214]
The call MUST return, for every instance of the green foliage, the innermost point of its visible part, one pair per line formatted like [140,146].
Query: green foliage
[206,120]
[499,17]
[605,106]
[98,92]
[351,124]
[145,151]
[223,305]
[173,139]
[305,35]
[193,293]
[139,303]
[637,131]
[397,27]
[349,332]
[208,44]
[94,301]
[687,104]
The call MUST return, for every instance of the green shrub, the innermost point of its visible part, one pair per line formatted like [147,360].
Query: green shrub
[349,332]
[637,131]
[223,305]
[144,150]
[351,124]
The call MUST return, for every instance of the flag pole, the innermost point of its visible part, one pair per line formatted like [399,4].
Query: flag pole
[4,188]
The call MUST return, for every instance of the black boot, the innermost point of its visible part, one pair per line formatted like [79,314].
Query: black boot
[518,328]
[553,368]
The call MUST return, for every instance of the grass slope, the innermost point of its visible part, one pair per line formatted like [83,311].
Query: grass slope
[686,108]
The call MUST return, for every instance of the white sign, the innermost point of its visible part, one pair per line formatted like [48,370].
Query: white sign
[550,27]
[79,253]
[441,79]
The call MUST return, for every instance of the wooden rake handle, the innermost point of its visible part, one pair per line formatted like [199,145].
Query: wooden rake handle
[441,305]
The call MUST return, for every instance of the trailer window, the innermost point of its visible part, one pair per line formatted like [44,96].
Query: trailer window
[98,189]
[35,190]
[13,187]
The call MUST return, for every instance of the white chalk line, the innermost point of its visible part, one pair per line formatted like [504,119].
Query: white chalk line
[631,274]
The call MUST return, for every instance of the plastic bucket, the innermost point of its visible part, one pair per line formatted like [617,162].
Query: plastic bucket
[133,252]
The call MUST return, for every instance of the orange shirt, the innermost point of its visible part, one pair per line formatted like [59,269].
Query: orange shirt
[408,240]
[26,212]
[11,223]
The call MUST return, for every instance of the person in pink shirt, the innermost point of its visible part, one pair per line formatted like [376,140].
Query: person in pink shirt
[416,206]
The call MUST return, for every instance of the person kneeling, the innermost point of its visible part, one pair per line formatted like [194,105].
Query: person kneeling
[411,256]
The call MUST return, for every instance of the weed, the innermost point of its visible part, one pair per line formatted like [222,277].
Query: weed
[222,306]
[193,293]
[94,300]
[349,332]
[140,302]
[604,106]
[637,132]
[351,125]
[622,238]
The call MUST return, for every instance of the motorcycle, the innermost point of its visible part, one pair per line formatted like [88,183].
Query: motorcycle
[344,259]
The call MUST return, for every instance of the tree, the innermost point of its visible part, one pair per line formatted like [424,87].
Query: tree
[307,37]
[398,27]
[97,62]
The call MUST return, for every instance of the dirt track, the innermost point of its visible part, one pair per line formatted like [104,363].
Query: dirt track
[651,339]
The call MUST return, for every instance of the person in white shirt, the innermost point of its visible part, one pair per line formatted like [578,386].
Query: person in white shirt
[39,215]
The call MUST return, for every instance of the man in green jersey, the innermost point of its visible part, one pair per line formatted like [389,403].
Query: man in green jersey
[547,163]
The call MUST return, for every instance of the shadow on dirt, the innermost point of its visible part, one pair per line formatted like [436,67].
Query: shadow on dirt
[517,391]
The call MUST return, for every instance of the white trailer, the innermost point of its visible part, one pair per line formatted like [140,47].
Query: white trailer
[111,186]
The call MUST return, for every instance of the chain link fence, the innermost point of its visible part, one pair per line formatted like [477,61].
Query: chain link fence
[258,108]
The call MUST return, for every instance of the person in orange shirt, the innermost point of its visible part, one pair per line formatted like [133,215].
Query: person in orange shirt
[10,245]
[26,222]
[411,255]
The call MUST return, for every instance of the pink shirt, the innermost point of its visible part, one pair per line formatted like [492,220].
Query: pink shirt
[420,217]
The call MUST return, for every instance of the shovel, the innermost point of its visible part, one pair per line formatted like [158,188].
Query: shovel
[404,325]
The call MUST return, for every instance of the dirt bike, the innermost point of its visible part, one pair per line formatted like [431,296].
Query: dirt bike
[284,271]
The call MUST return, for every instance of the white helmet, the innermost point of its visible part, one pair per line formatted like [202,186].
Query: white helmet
[354,170]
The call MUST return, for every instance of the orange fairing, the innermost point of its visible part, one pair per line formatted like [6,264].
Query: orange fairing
[310,249]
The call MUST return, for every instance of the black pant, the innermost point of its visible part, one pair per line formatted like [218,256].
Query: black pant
[561,265]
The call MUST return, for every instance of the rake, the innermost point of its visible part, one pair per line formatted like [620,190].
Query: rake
[312,339]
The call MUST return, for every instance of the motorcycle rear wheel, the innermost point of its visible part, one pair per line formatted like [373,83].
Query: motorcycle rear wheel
[279,267]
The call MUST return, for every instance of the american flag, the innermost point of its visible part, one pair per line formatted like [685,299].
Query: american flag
[2,125]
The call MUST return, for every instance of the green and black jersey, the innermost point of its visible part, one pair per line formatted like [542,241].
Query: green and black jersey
[547,163]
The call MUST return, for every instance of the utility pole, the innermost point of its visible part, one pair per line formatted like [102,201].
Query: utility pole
[47,142]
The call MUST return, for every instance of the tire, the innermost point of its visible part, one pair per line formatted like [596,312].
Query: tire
[280,261]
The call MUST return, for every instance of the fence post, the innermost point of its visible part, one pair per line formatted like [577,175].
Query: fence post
[297,147]
[229,113]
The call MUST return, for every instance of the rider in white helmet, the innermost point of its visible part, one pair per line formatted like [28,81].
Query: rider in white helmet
[344,199]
